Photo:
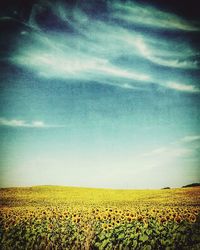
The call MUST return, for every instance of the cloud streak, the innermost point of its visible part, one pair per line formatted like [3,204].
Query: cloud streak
[183,147]
[24,124]
[150,16]
[169,152]
[183,87]
[191,138]
[105,51]
[163,56]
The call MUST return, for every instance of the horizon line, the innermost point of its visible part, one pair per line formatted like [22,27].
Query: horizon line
[89,187]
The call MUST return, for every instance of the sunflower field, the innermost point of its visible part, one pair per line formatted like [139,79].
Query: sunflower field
[50,217]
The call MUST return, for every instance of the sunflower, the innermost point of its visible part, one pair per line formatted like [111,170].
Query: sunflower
[98,217]
[6,226]
[113,218]
[78,219]
[129,219]
[113,223]
[109,215]
[50,226]
[192,218]
[178,219]
[117,222]
[163,219]
[139,218]
[105,226]
[104,217]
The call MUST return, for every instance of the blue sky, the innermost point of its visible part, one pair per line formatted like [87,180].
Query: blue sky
[99,96]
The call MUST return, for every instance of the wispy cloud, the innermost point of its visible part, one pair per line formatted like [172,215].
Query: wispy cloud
[169,152]
[54,64]
[104,50]
[182,147]
[159,53]
[150,16]
[191,138]
[156,151]
[183,87]
[25,124]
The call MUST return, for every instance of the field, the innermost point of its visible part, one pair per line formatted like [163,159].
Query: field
[51,217]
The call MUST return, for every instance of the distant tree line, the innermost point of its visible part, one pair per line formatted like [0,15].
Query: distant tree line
[191,185]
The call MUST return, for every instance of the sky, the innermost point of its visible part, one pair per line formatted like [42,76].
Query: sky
[99,93]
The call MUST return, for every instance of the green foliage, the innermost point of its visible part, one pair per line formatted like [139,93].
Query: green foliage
[170,235]
[78,225]
[65,235]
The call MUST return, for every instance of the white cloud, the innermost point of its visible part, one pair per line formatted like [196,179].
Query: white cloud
[150,16]
[156,151]
[183,87]
[191,138]
[178,149]
[22,123]
[164,57]
[169,152]
[69,63]
[118,72]
[93,52]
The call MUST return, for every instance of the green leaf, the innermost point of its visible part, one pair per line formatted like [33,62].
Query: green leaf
[129,225]
[121,236]
[147,247]
[143,238]
[98,244]
[102,237]
[134,244]
[104,244]
[132,236]
[148,231]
